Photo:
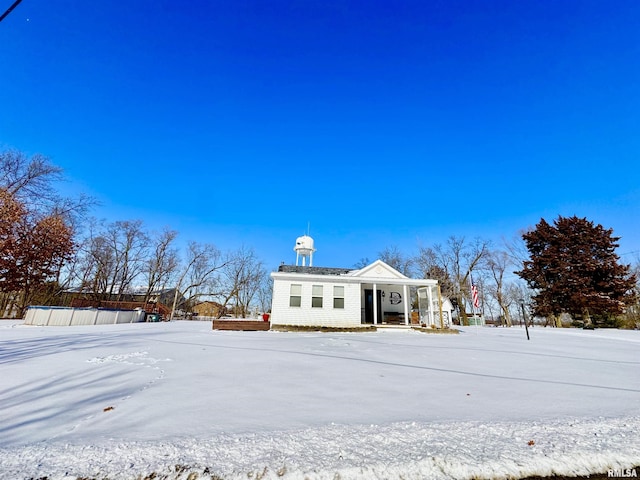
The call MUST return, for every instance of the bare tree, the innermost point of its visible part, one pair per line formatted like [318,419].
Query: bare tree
[199,270]
[393,257]
[162,262]
[129,244]
[458,259]
[631,317]
[31,181]
[497,264]
[363,262]
[97,266]
[431,264]
[252,276]
[515,294]
[517,248]
[28,178]
[112,258]
[265,293]
[241,279]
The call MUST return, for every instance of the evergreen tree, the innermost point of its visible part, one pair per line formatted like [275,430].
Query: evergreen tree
[573,268]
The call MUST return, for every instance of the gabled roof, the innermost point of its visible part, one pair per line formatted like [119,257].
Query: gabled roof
[377,272]
[378,269]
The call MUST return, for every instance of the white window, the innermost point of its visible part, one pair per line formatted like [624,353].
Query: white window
[295,295]
[338,297]
[316,296]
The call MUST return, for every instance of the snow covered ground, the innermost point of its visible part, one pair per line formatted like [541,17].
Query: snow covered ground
[179,400]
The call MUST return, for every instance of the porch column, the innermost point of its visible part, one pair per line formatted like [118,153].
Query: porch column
[430,296]
[375,304]
[405,292]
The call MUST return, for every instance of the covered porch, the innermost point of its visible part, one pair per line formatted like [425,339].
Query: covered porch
[407,302]
[387,297]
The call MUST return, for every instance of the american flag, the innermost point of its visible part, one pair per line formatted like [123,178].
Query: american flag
[474,294]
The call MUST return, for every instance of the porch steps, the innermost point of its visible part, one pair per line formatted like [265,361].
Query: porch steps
[394,326]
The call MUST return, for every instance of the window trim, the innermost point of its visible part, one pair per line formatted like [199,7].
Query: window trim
[295,296]
[317,298]
[338,297]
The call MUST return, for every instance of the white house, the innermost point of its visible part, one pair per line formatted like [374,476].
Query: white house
[333,297]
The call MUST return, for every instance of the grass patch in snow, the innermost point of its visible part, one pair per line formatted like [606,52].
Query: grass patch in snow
[309,328]
[437,330]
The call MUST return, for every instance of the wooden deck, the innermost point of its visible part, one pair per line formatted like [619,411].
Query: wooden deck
[241,325]
[160,308]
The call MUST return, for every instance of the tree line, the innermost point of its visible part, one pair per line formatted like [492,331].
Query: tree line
[49,246]
[567,271]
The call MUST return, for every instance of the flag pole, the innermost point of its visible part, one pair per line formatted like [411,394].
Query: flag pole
[475,319]
[474,301]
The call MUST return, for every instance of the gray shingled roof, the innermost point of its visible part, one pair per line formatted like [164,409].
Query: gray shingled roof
[314,270]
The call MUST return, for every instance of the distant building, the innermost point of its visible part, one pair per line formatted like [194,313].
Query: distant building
[209,309]
[159,301]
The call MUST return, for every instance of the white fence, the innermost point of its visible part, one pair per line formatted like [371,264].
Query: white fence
[63,316]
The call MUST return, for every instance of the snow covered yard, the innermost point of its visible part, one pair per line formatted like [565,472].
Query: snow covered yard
[182,401]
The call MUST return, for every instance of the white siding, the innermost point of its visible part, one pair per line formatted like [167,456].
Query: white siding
[378,276]
[305,315]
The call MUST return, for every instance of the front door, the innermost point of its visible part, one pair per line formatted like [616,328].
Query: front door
[368,305]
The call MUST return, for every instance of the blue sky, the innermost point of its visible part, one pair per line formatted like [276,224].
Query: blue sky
[375,123]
